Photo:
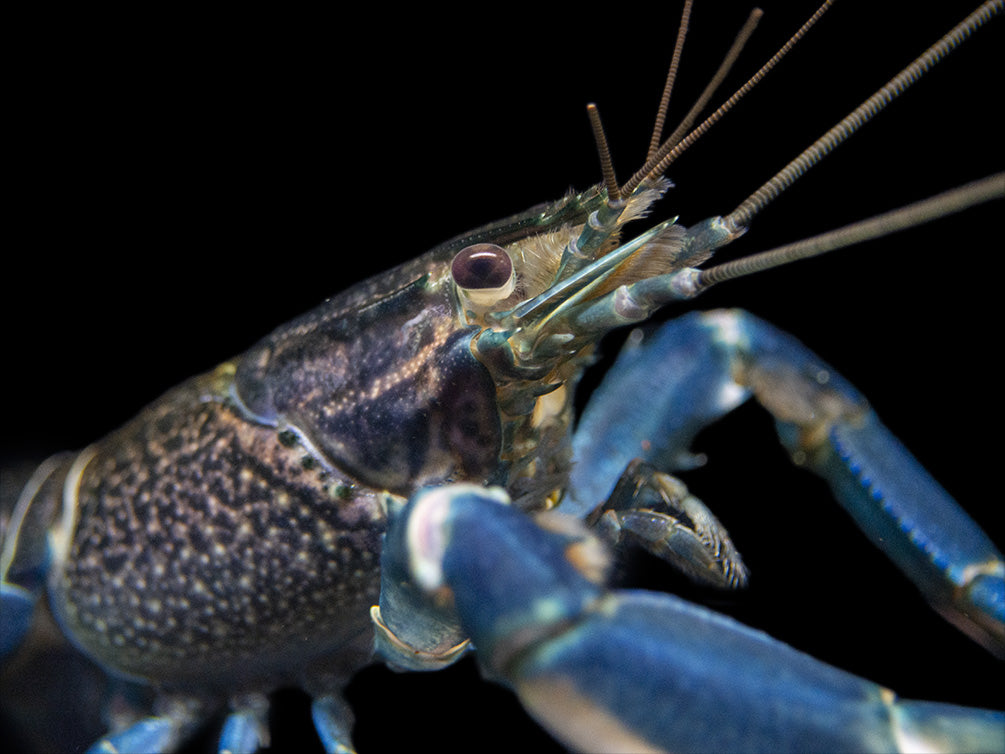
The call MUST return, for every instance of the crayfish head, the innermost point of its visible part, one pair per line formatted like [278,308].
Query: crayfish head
[542,293]
[460,365]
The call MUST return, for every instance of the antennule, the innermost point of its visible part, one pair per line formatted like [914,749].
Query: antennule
[661,112]
[713,85]
[670,151]
[604,152]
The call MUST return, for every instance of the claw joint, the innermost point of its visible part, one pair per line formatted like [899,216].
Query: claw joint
[402,655]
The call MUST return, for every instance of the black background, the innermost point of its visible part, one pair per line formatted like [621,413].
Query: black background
[183,184]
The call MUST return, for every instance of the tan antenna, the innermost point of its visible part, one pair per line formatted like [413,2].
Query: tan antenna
[739,219]
[918,213]
[712,87]
[669,152]
[661,112]
[604,152]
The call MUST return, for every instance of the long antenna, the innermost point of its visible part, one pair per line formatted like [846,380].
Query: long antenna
[926,210]
[740,218]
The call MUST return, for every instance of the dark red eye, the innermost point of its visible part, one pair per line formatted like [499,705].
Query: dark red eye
[481,266]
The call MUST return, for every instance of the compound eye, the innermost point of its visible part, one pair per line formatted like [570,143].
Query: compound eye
[484,273]
[482,266]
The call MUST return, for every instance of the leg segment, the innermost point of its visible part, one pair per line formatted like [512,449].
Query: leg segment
[246,728]
[149,734]
[660,393]
[24,549]
[333,722]
[175,719]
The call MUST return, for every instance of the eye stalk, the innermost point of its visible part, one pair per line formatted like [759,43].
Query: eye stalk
[483,274]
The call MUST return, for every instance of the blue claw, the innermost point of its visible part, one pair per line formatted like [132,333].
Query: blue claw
[827,423]
[629,670]
[708,363]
